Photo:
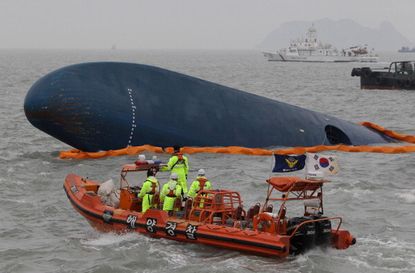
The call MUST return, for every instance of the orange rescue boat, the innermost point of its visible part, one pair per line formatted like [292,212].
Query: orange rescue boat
[217,217]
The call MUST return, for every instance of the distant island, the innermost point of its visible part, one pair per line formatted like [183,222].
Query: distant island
[340,33]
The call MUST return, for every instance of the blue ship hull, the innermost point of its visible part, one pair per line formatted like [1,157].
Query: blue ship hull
[110,105]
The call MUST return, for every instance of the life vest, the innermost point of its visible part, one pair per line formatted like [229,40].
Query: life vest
[153,187]
[180,160]
[155,200]
[171,190]
[202,182]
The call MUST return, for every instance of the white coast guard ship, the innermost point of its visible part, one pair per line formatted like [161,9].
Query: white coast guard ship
[310,49]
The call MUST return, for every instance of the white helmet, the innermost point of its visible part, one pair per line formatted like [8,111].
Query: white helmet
[174,176]
[201,172]
[141,157]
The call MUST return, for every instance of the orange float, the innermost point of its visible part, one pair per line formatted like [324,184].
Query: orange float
[131,150]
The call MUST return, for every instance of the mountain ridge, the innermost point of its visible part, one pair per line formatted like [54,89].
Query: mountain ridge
[341,33]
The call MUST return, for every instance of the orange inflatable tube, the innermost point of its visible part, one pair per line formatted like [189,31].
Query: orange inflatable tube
[131,150]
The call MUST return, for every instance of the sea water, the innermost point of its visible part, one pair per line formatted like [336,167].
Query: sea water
[374,193]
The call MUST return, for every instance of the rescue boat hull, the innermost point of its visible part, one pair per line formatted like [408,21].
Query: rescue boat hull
[157,223]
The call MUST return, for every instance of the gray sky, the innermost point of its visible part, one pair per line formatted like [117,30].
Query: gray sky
[181,24]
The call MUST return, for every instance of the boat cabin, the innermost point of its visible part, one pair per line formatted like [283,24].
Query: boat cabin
[398,75]
[286,189]
[402,68]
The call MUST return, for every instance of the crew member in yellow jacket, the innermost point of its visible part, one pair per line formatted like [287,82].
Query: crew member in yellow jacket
[149,188]
[179,164]
[200,183]
[171,192]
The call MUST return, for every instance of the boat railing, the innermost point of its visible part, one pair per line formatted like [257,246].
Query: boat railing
[209,204]
[340,219]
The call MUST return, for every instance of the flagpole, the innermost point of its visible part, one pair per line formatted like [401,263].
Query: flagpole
[272,158]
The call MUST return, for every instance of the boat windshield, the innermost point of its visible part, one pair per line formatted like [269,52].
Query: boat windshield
[404,68]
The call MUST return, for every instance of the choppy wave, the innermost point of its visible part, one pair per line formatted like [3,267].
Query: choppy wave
[376,254]
[110,239]
[407,197]
[40,231]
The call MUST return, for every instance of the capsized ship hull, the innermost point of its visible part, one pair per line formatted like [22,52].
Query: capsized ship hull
[110,105]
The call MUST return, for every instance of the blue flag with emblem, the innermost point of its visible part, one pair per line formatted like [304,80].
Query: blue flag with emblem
[288,163]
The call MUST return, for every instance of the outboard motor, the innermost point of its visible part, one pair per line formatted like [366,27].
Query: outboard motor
[304,238]
[323,232]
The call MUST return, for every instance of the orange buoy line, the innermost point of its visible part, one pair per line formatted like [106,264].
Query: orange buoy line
[131,150]
[389,133]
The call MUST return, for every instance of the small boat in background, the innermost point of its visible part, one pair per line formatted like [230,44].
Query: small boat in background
[399,75]
[406,49]
[310,49]
[360,53]
[217,217]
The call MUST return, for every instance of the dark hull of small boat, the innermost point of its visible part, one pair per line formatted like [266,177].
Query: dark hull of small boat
[384,80]
[108,105]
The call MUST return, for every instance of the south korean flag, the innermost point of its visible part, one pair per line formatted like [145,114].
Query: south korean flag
[327,164]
